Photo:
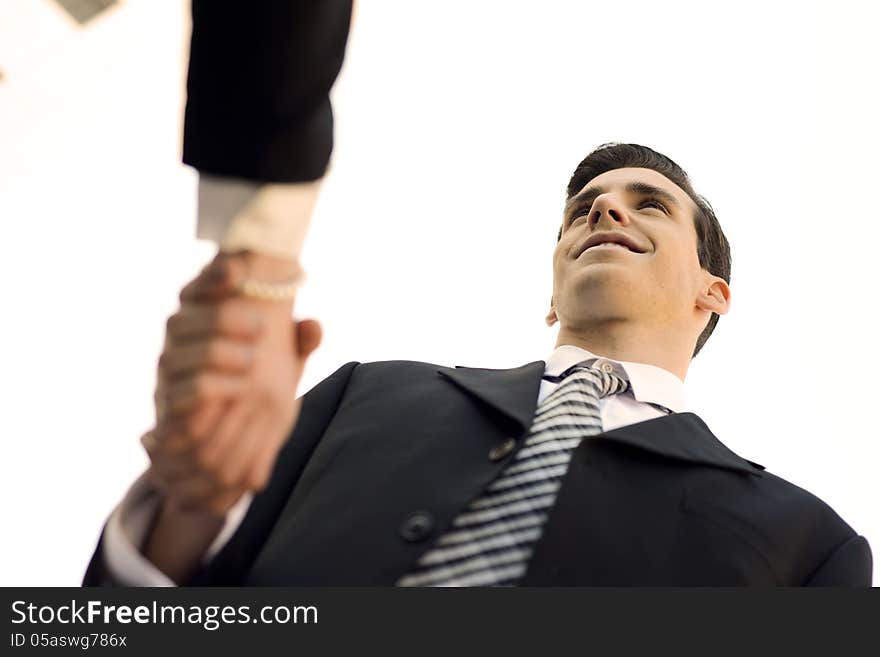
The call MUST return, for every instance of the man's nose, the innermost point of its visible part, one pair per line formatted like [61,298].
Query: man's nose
[609,209]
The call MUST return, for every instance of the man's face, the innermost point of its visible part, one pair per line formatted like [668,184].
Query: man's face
[659,284]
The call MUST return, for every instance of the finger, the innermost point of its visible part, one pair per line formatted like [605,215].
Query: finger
[171,458]
[203,421]
[167,473]
[212,461]
[190,426]
[218,353]
[207,286]
[243,451]
[235,318]
[220,279]
[262,465]
[211,456]
[201,388]
[308,337]
[177,435]
[172,451]
[170,436]
[264,462]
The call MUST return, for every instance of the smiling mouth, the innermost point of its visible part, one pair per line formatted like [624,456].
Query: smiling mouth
[608,246]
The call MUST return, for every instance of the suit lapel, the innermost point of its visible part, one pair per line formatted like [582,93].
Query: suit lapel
[683,436]
[513,392]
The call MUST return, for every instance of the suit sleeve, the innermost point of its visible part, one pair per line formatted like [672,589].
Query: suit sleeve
[258,87]
[849,565]
[258,123]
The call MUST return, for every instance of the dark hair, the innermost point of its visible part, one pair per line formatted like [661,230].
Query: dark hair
[713,249]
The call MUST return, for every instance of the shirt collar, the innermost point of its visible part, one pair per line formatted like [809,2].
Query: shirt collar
[648,383]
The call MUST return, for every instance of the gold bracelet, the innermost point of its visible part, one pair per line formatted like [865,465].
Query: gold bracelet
[271,291]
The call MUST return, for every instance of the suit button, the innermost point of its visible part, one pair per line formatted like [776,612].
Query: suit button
[417,526]
[501,450]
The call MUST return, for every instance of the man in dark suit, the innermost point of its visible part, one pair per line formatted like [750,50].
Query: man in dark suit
[579,470]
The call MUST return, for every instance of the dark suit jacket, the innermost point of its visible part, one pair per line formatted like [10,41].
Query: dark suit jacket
[258,87]
[386,454]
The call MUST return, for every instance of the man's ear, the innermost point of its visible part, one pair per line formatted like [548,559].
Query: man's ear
[714,296]
[551,318]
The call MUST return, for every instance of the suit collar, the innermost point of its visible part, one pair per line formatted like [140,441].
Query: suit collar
[513,392]
[683,436]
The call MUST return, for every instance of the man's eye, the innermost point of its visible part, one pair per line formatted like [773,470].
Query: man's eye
[656,204]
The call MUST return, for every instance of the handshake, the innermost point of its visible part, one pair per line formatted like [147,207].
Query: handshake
[226,391]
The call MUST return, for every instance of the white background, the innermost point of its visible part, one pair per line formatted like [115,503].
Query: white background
[458,126]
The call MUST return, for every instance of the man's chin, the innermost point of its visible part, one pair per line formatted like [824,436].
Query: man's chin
[604,293]
[605,279]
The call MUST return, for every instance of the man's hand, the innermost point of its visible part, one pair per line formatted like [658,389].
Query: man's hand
[227,384]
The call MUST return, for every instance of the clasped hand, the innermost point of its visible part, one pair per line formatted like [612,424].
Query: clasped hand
[226,390]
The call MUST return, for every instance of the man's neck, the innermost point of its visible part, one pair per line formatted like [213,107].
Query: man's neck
[632,344]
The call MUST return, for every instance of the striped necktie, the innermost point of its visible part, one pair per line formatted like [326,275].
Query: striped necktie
[491,541]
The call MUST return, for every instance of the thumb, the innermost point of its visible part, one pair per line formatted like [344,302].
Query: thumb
[308,336]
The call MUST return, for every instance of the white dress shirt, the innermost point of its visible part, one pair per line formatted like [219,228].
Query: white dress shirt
[653,392]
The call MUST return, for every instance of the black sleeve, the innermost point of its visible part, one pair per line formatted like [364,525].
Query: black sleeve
[231,564]
[850,564]
[258,85]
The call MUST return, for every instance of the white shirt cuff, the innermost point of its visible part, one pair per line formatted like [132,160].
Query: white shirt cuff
[244,215]
[127,529]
